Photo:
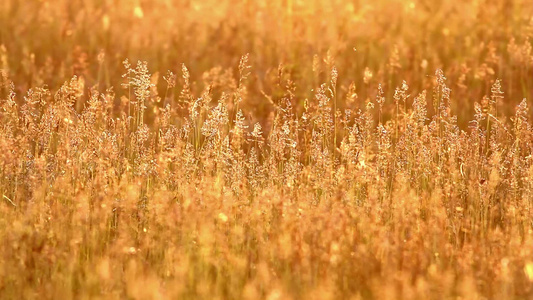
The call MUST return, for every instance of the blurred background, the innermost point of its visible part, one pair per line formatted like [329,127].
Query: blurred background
[45,42]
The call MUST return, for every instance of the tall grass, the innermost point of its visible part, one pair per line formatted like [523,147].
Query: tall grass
[294,150]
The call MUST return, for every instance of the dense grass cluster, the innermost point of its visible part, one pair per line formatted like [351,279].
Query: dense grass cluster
[293,150]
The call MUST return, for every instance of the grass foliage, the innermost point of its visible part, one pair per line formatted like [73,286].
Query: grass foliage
[266,149]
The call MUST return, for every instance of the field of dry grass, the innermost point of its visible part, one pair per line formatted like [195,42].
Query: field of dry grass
[266,149]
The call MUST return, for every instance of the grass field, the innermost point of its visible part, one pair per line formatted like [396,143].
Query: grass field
[266,149]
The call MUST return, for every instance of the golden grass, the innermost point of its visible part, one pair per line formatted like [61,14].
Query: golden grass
[266,149]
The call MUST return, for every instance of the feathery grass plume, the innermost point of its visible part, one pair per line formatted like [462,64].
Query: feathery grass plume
[380,100]
[185,94]
[244,72]
[170,79]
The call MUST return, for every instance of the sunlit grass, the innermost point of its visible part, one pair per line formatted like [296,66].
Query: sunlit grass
[266,149]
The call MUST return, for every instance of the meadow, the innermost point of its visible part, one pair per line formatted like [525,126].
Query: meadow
[266,149]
